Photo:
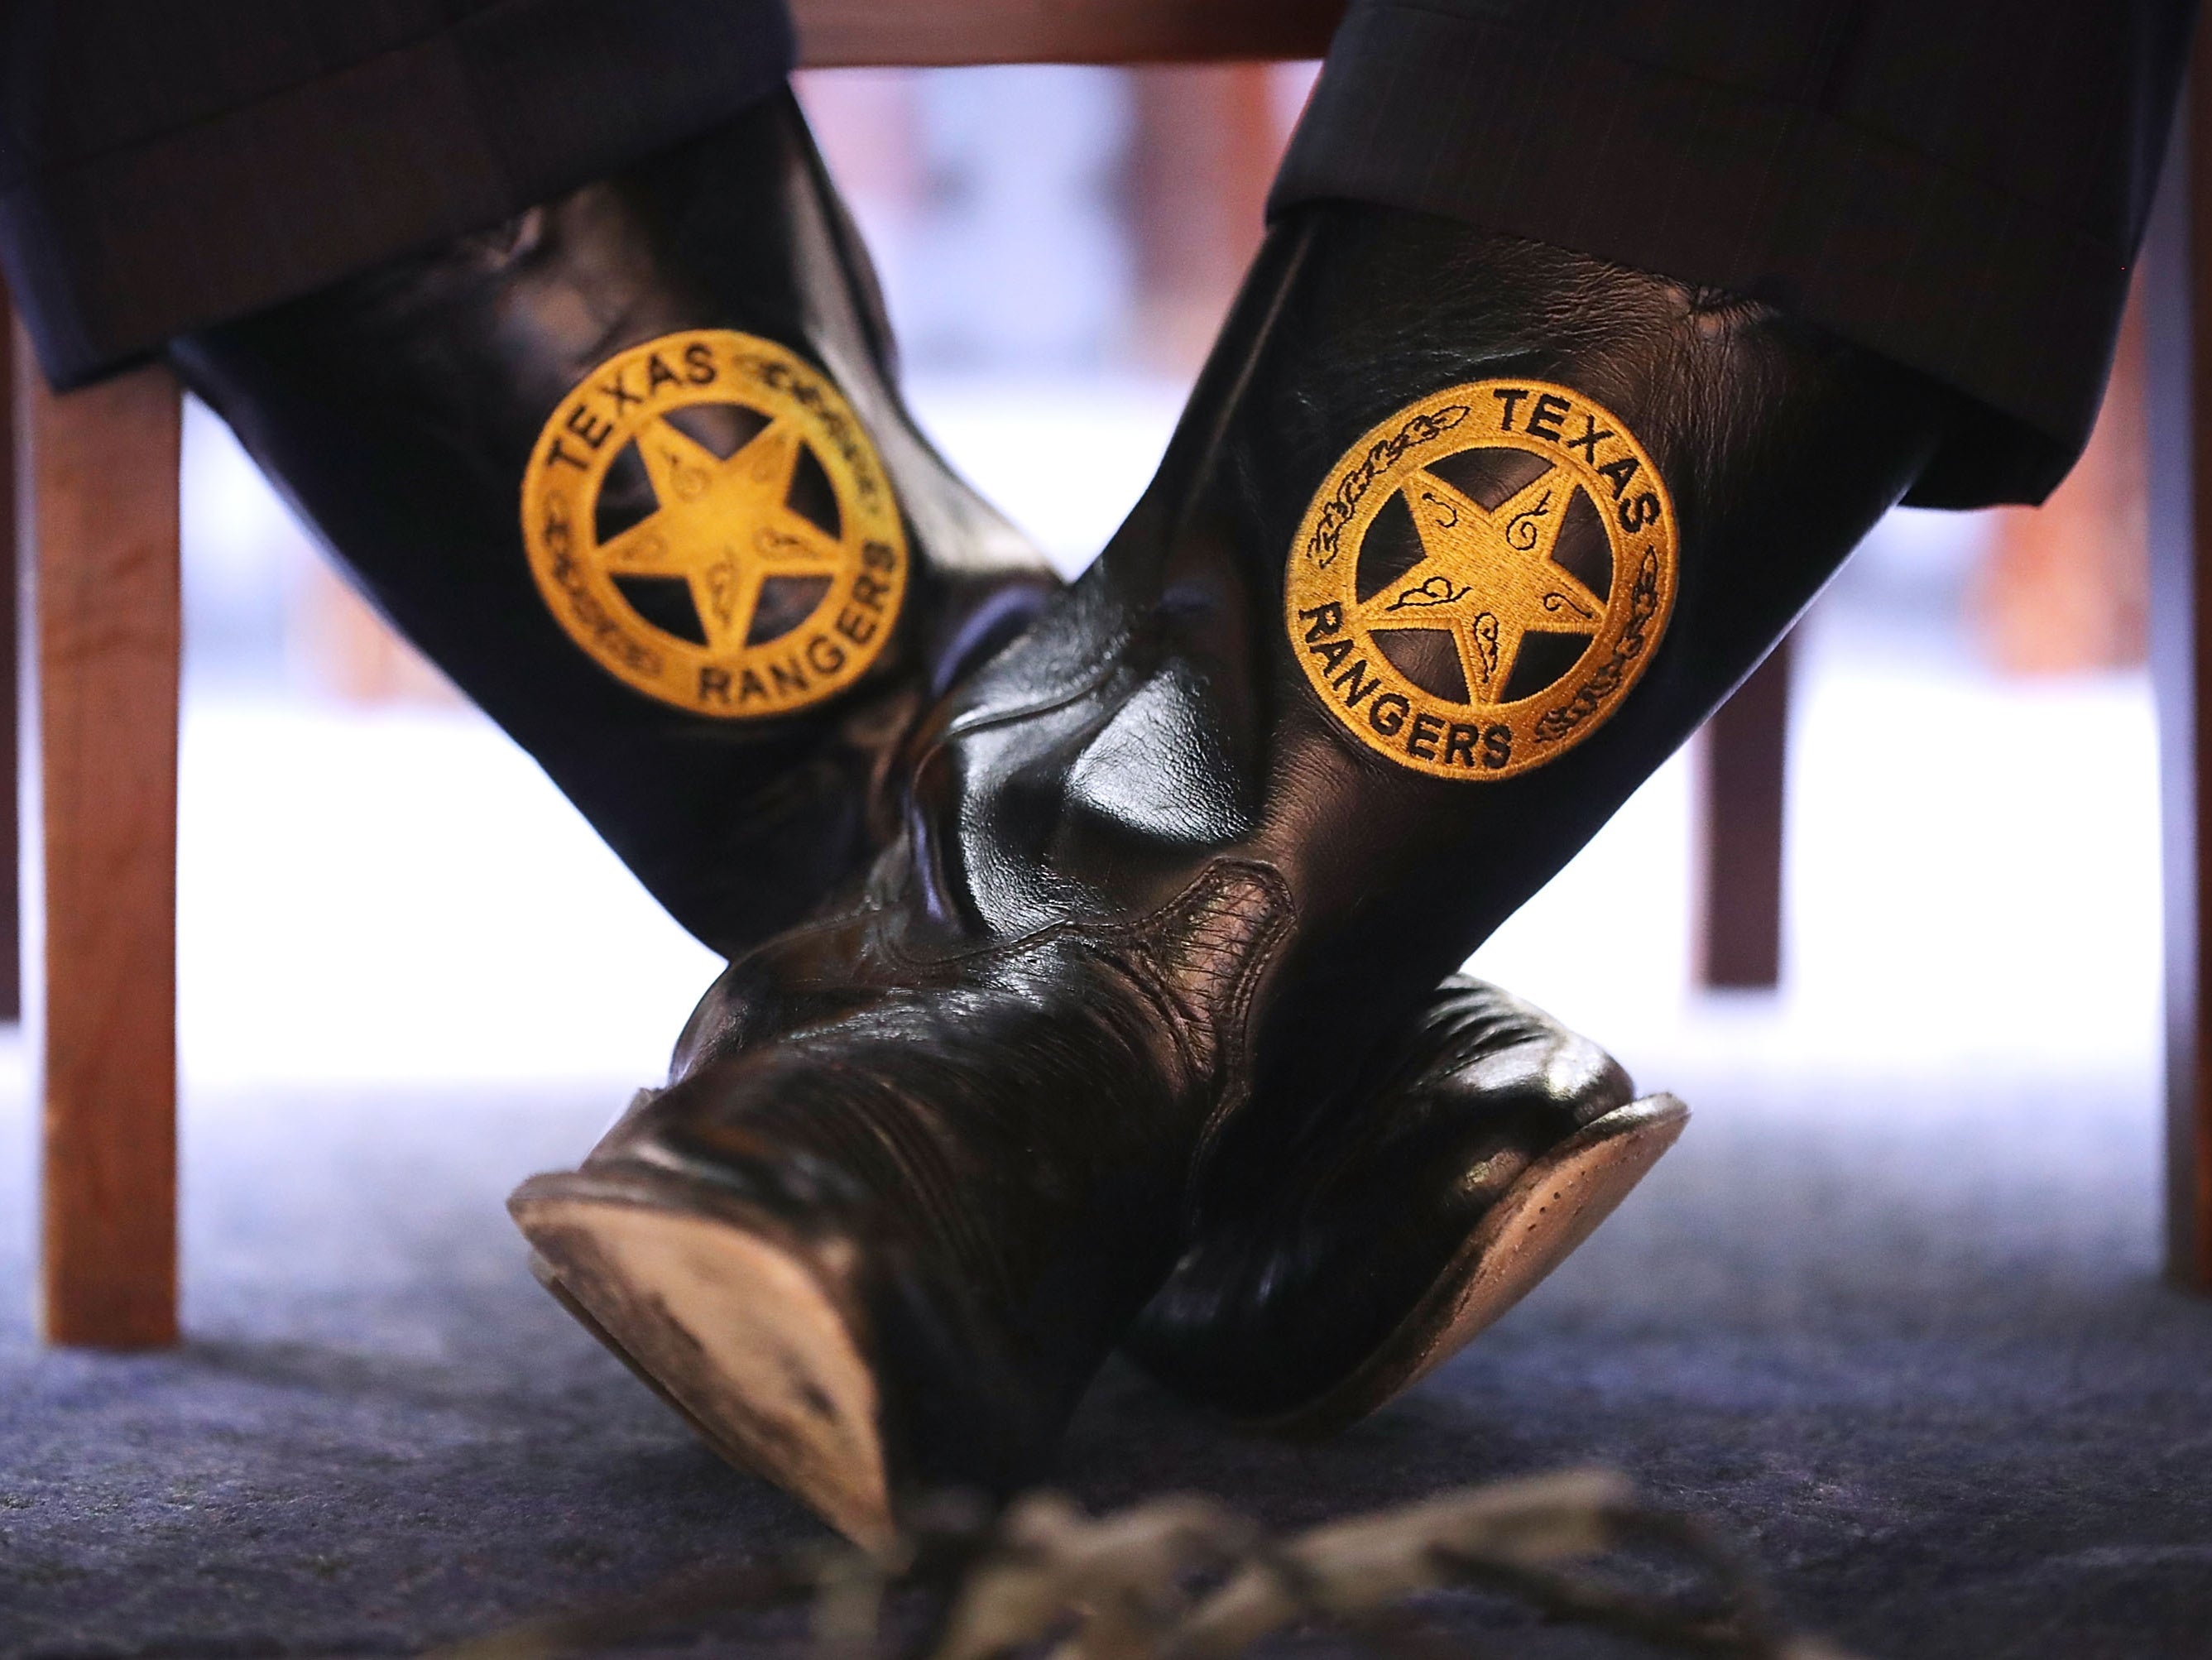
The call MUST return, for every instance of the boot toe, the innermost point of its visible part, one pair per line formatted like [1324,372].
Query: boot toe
[1411,1214]
[743,1329]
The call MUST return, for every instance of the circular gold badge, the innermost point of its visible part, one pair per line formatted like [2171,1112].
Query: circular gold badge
[1482,578]
[707,518]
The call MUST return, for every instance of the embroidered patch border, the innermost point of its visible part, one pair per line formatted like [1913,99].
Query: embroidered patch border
[785,610]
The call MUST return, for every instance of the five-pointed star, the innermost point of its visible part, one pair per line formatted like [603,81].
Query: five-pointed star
[1486,577]
[724,525]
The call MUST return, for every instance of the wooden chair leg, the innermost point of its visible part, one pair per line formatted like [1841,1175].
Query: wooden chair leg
[11,897]
[1740,806]
[104,598]
[2176,275]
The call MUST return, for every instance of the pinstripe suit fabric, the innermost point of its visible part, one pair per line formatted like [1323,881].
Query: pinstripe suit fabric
[164,166]
[1960,185]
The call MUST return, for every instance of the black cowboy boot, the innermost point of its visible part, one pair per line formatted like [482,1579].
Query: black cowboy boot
[632,471]
[1459,539]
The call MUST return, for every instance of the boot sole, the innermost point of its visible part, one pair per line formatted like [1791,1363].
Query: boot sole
[1556,1204]
[731,1325]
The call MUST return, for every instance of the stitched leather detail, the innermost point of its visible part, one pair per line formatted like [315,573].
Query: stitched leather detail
[1203,952]
[1202,959]
[891,1140]
[1196,963]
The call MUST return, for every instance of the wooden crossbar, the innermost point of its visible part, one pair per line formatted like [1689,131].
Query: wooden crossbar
[846,33]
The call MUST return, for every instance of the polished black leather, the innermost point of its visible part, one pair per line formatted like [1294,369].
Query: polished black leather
[1310,1256]
[1153,911]
[397,411]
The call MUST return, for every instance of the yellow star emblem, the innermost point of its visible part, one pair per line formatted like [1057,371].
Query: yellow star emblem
[725,525]
[1486,577]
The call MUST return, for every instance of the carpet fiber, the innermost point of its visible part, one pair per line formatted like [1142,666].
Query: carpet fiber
[1904,1341]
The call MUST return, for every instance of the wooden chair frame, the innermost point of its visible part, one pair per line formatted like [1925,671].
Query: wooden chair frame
[94,501]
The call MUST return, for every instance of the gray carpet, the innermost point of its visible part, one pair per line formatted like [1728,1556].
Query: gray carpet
[1903,1340]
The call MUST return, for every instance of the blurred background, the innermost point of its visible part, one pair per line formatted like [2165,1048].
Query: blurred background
[377,888]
